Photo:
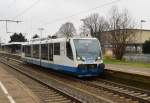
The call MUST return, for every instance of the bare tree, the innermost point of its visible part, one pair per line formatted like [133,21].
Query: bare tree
[95,24]
[66,30]
[121,31]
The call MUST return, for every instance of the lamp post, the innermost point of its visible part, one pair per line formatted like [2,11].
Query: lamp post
[142,21]
[41,30]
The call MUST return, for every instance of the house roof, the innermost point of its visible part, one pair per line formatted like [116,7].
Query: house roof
[12,43]
[131,29]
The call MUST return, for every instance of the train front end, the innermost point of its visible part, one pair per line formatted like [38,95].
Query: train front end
[88,57]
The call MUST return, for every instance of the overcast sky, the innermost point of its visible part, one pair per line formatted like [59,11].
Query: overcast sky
[50,14]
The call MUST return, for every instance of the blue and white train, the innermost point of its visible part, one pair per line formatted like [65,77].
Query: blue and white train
[77,56]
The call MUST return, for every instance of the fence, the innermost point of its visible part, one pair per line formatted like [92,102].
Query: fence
[138,57]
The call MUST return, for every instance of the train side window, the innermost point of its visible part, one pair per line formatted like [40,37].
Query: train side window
[44,51]
[27,51]
[51,51]
[56,48]
[69,51]
[23,49]
[35,51]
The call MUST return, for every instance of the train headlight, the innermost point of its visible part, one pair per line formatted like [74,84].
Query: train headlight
[78,58]
[98,58]
[81,58]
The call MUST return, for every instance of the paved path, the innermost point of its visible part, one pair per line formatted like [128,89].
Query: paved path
[14,91]
[129,69]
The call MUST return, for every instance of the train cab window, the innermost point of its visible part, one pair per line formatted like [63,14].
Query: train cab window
[56,48]
[69,50]
[27,51]
[35,51]
[51,51]
[44,51]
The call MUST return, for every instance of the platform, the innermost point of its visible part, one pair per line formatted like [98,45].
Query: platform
[129,69]
[14,91]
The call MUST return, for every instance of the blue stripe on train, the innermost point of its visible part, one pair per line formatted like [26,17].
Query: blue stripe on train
[67,69]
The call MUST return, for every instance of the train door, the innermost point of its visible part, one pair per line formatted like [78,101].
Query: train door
[44,52]
[22,51]
[51,51]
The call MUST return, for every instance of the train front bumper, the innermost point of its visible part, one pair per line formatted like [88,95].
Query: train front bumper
[90,69]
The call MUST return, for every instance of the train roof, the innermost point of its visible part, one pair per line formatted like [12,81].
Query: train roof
[50,40]
[13,43]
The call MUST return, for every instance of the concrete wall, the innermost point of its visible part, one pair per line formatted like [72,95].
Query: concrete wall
[141,36]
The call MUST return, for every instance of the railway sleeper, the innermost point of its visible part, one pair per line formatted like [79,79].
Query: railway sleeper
[54,94]
[125,90]
[121,99]
[147,98]
[136,94]
[63,102]
[116,87]
[128,100]
[56,99]
[48,94]
[51,94]
[143,95]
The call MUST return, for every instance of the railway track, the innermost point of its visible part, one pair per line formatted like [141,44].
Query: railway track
[83,97]
[119,91]
[45,92]
[140,95]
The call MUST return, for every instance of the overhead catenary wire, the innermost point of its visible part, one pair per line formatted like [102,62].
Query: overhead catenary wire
[27,9]
[60,19]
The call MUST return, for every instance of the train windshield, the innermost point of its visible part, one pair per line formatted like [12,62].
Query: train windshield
[87,48]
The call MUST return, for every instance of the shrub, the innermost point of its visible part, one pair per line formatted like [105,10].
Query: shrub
[146,47]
